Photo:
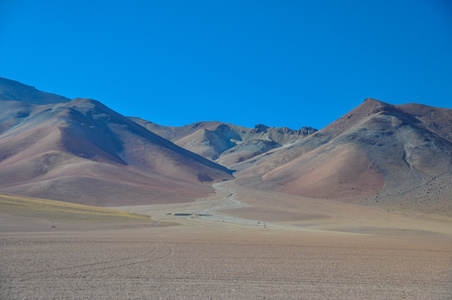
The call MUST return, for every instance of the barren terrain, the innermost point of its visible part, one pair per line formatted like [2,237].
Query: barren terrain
[226,249]
[360,209]
[222,262]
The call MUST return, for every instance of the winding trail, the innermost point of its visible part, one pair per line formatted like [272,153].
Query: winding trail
[209,209]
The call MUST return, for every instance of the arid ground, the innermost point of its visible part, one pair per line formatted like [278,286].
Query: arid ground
[224,249]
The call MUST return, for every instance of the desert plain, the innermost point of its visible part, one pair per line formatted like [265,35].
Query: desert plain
[230,246]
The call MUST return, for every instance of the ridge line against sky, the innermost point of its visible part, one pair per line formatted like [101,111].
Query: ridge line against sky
[282,64]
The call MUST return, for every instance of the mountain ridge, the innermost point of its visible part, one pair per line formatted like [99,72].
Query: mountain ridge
[227,143]
[11,90]
[378,154]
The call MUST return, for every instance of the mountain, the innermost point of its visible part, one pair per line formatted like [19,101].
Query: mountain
[392,156]
[11,90]
[81,151]
[225,143]
[377,154]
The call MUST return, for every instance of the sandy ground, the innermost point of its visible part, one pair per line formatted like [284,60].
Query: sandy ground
[235,204]
[221,262]
[304,250]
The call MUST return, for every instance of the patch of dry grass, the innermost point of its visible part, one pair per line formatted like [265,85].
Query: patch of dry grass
[64,212]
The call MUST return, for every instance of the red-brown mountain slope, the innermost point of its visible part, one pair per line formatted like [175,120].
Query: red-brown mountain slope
[81,151]
[377,151]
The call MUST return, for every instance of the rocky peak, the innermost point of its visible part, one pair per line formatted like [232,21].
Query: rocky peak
[259,128]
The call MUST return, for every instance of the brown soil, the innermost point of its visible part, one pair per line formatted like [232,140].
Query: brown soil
[208,260]
[344,172]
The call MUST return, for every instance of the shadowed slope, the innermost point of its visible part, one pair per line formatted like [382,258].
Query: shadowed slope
[11,90]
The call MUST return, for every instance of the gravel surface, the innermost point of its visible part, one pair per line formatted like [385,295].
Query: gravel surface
[221,261]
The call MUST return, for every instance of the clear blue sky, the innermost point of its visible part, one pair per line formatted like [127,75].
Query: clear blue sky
[279,63]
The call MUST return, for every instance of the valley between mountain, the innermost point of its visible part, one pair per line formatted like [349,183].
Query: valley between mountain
[360,209]
[264,209]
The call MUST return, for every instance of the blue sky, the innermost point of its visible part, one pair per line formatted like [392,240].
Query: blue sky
[279,63]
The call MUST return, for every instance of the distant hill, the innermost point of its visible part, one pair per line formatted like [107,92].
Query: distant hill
[226,143]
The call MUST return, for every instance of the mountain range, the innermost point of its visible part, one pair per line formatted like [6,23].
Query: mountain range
[391,156]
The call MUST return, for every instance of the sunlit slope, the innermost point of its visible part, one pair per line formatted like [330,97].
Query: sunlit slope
[83,152]
[64,212]
[390,156]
